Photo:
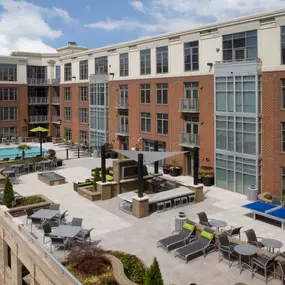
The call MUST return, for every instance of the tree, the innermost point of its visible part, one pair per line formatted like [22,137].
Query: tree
[153,275]
[23,148]
[8,196]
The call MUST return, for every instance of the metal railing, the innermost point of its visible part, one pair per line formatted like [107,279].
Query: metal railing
[122,130]
[38,119]
[189,105]
[55,119]
[38,81]
[38,100]
[122,103]
[191,140]
[55,100]
[54,82]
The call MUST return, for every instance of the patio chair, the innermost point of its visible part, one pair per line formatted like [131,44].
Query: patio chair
[226,248]
[276,201]
[58,242]
[282,267]
[264,263]
[35,221]
[27,166]
[58,220]
[47,231]
[205,242]
[28,212]
[54,206]
[233,231]
[38,166]
[203,219]
[179,239]
[253,239]
[83,236]
[77,222]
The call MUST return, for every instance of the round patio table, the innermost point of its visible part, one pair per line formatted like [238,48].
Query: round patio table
[271,244]
[218,224]
[245,250]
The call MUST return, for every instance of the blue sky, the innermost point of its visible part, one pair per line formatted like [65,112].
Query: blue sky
[42,26]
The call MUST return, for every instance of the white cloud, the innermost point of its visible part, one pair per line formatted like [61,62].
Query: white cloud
[138,5]
[63,14]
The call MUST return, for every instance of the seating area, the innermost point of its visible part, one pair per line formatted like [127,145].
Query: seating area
[57,230]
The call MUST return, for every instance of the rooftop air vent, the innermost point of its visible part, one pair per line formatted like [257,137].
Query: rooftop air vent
[72,43]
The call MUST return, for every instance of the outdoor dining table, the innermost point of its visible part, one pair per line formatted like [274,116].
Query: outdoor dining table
[218,223]
[271,244]
[245,250]
[66,231]
[45,214]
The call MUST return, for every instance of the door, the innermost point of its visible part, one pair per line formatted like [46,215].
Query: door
[191,93]
[189,164]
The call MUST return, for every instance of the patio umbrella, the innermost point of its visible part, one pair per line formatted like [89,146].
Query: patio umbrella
[40,130]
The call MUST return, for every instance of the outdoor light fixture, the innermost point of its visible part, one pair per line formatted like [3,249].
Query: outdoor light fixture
[112,73]
[217,49]
[210,64]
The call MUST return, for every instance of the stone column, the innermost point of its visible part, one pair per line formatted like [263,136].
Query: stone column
[140,207]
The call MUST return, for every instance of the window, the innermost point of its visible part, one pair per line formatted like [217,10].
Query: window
[67,134]
[9,256]
[36,72]
[191,56]
[8,94]
[124,64]
[162,59]
[145,93]
[162,124]
[67,72]
[283,44]
[283,93]
[83,115]
[57,73]
[67,94]
[83,137]
[145,123]
[83,69]
[99,94]
[67,114]
[148,145]
[240,46]
[8,72]
[83,93]
[8,132]
[283,137]
[9,113]
[145,61]
[101,65]
[162,93]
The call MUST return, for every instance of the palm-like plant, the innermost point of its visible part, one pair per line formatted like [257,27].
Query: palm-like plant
[23,148]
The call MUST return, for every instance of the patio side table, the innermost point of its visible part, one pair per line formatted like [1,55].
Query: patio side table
[271,244]
[245,250]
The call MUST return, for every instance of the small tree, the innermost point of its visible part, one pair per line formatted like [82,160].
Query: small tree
[23,148]
[153,275]
[97,174]
[8,196]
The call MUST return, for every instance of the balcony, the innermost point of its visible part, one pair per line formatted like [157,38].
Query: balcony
[55,119]
[38,100]
[38,119]
[122,130]
[122,103]
[37,81]
[54,82]
[55,100]
[189,140]
[189,106]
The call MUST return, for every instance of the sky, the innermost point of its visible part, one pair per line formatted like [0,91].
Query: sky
[44,25]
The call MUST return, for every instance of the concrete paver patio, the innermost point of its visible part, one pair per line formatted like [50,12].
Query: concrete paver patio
[114,229]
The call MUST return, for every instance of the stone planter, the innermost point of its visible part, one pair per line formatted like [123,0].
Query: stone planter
[208,181]
[87,193]
[175,171]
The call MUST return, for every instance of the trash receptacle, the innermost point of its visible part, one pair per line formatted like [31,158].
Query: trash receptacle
[252,194]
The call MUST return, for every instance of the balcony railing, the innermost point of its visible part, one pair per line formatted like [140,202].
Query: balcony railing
[122,103]
[55,119]
[54,82]
[38,100]
[122,130]
[38,119]
[55,100]
[189,105]
[38,81]
[189,140]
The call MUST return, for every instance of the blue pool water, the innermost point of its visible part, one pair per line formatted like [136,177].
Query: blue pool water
[12,152]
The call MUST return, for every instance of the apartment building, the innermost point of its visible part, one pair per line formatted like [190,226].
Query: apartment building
[219,88]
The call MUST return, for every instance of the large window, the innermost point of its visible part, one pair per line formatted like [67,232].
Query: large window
[67,114]
[83,93]
[9,113]
[67,133]
[145,123]
[162,124]
[101,65]
[36,72]
[8,72]
[8,132]
[162,59]
[145,61]
[283,44]
[240,46]
[145,93]
[8,94]
[67,72]
[124,64]
[83,115]
[191,56]
[83,137]
[57,73]
[98,94]
[283,136]
[162,93]
[67,94]
[83,69]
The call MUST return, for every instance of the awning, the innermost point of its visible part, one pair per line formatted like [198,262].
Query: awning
[149,157]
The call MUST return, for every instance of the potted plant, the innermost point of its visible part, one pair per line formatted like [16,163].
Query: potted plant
[166,168]
[175,169]
[207,175]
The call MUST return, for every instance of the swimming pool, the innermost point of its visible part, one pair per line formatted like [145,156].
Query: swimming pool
[12,152]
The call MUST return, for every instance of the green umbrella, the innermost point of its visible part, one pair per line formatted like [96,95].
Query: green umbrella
[40,130]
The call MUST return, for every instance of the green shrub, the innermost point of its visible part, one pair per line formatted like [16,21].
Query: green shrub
[8,196]
[29,200]
[97,175]
[153,274]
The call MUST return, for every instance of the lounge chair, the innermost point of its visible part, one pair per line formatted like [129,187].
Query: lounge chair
[253,239]
[180,239]
[203,219]
[233,231]
[205,242]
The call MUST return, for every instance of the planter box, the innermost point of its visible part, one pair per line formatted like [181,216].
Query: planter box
[208,181]
[88,194]
[19,211]
[75,186]
[175,172]
[166,170]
